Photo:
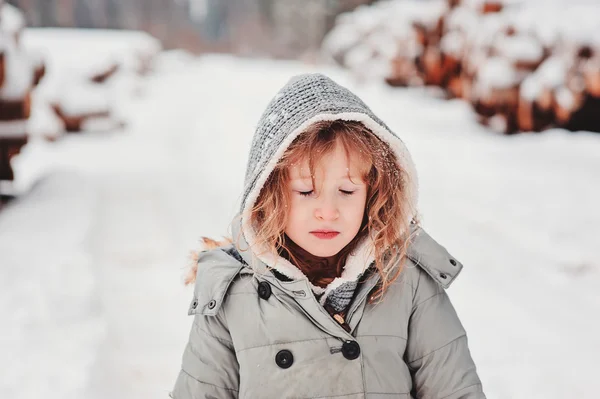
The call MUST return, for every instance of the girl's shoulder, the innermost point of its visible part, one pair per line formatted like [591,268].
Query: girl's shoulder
[216,270]
[429,264]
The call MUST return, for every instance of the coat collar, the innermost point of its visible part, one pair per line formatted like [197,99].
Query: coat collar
[218,268]
[356,264]
[423,250]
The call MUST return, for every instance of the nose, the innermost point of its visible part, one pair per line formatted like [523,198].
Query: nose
[327,209]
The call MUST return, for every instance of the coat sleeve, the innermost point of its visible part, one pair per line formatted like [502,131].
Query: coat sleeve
[209,366]
[437,351]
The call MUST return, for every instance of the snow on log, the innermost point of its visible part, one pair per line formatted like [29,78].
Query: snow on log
[523,65]
[17,74]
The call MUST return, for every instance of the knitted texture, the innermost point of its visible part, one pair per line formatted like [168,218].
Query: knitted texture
[340,298]
[302,98]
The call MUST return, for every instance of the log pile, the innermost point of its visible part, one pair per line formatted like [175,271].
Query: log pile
[76,80]
[20,72]
[79,97]
[524,66]
[86,84]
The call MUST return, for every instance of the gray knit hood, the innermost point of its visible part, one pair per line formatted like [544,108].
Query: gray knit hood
[304,100]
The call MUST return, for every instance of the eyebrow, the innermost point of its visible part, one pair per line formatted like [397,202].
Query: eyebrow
[351,178]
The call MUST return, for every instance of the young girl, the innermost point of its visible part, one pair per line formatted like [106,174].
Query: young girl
[329,287]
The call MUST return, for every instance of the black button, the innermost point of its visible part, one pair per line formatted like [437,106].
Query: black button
[453,262]
[195,304]
[264,290]
[443,275]
[212,304]
[284,359]
[351,350]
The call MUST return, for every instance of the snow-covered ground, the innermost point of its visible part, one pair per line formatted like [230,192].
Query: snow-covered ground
[93,252]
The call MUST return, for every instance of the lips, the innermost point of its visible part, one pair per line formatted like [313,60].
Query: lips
[325,234]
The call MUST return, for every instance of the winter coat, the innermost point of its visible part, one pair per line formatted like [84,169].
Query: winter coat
[254,336]
[258,335]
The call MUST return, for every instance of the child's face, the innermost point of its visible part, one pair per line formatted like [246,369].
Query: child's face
[324,219]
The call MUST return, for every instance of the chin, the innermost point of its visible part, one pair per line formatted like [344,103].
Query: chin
[324,254]
[324,251]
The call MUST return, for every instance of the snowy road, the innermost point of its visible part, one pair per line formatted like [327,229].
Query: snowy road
[91,258]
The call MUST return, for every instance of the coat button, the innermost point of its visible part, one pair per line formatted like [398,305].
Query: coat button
[351,350]
[212,304]
[195,304]
[284,359]
[452,262]
[264,290]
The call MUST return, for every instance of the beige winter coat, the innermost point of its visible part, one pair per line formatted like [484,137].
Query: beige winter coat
[246,344]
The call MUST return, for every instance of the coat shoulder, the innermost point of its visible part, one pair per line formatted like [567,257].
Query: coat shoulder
[217,269]
[432,258]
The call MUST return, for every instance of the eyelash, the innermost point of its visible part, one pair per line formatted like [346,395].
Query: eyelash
[307,193]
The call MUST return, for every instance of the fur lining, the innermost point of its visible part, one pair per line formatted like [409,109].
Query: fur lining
[356,264]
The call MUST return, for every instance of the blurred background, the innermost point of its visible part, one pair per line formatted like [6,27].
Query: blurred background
[124,132]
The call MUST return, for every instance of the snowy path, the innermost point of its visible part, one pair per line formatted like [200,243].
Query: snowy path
[520,213]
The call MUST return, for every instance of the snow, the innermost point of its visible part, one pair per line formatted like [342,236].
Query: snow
[72,57]
[100,124]
[496,73]
[11,19]
[79,54]
[385,29]
[553,71]
[389,25]
[559,20]
[170,60]
[93,252]
[43,122]
[425,13]
[358,57]
[498,123]
[84,98]
[548,23]
[549,75]
[384,44]
[341,38]
[453,43]
[520,48]
[479,3]
[565,98]
[51,322]
[18,69]
[531,87]
[480,30]
[89,47]
[462,18]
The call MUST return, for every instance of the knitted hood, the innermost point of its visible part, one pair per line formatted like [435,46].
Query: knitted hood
[304,100]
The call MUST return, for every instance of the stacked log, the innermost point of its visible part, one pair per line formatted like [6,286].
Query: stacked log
[387,40]
[83,102]
[82,81]
[19,73]
[85,86]
[521,65]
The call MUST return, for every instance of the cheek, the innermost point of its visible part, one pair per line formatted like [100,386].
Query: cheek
[355,209]
[297,211]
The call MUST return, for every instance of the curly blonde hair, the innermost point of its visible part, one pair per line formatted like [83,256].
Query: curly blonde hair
[384,222]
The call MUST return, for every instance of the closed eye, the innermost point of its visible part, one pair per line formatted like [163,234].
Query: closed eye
[307,193]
